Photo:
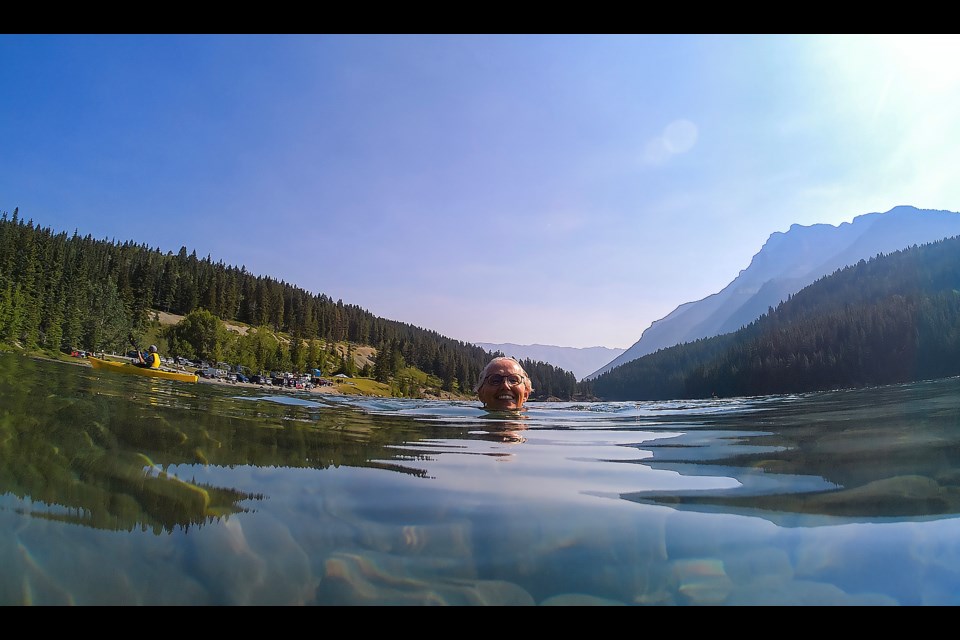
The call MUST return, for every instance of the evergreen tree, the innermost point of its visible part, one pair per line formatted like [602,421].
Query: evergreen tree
[298,356]
[314,354]
[107,326]
[382,366]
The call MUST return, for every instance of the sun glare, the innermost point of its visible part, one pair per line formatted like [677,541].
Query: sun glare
[929,60]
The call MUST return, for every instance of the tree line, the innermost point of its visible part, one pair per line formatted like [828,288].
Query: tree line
[60,291]
[892,319]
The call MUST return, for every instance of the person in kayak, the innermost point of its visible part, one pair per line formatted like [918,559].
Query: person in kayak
[503,385]
[151,360]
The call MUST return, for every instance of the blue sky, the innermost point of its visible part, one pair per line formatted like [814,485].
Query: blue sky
[552,189]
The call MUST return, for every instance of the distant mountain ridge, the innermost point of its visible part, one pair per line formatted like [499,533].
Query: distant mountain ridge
[579,361]
[786,263]
[891,319]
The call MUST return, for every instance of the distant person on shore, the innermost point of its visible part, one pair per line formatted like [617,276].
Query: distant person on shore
[151,360]
[503,385]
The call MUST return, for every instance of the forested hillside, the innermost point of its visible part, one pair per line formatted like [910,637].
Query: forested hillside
[60,291]
[892,319]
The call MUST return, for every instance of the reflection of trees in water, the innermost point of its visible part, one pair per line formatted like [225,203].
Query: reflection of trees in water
[63,451]
[97,450]
[121,491]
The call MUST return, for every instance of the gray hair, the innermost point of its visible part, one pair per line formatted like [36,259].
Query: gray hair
[500,360]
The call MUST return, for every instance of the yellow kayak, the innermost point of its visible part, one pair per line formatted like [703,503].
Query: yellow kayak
[127,367]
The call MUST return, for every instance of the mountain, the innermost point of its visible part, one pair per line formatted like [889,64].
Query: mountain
[786,263]
[579,361]
[892,319]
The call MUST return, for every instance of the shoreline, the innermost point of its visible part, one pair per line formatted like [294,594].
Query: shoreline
[83,362]
[321,389]
[331,390]
[327,389]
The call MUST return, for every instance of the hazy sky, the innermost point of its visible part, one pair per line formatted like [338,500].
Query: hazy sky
[552,189]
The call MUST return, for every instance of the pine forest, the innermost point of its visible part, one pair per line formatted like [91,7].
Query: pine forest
[60,292]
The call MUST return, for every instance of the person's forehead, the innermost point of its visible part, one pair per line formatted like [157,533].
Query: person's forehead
[504,367]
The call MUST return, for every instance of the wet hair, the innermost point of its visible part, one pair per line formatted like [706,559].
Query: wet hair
[500,360]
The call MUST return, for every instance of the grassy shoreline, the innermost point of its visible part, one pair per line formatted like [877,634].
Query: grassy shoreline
[340,386]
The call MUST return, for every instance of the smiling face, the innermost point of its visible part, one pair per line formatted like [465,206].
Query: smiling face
[496,391]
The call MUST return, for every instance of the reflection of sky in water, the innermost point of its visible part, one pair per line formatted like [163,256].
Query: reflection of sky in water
[552,452]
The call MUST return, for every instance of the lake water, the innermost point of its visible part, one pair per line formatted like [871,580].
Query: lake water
[130,491]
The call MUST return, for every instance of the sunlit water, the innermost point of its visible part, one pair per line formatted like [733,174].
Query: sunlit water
[124,490]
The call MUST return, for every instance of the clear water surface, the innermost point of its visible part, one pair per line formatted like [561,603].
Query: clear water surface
[123,490]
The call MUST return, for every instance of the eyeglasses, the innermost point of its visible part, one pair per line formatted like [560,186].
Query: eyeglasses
[496,379]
